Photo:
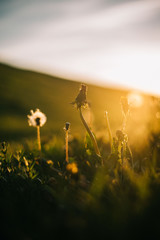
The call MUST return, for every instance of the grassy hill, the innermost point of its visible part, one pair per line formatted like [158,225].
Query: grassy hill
[23,90]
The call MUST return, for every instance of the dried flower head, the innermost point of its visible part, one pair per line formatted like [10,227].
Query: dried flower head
[81,99]
[120,135]
[125,105]
[37,118]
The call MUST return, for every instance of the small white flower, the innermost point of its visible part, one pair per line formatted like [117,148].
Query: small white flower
[36,118]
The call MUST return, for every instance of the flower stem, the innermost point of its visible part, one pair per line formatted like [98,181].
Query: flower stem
[131,156]
[67,146]
[119,151]
[124,123]
[38,138]
[120,157]
[90,133]
[109,131]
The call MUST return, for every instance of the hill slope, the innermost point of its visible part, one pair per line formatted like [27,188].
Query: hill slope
[23,90]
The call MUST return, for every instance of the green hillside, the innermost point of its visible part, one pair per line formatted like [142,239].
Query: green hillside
[23,90]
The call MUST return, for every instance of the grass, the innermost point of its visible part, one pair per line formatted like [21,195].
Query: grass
[41,199]
[43,196]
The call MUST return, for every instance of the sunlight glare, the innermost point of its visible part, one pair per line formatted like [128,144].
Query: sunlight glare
[135,99]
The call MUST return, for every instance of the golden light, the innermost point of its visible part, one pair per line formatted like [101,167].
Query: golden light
[158,115]
[135,99]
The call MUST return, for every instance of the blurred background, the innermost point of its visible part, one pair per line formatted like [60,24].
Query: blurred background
[112,44]
[109,42]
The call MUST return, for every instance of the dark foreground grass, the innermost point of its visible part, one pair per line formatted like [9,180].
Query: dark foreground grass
[40,199]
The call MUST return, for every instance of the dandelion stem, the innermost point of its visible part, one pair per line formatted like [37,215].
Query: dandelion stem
[38,138]
[90,133]
[120,156]
[124,149]
[67,146]
[131,155]
[90,118]
[109,131]
[124,123]
[119,152]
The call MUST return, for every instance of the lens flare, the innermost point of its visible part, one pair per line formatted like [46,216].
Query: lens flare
[135,99]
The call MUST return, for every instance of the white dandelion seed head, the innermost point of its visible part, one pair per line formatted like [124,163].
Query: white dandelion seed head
[36,118]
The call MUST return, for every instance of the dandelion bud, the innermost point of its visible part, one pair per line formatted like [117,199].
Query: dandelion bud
[67,126]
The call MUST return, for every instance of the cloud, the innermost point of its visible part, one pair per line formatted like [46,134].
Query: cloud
[89,38]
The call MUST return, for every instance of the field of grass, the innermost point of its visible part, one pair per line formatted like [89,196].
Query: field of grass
[42,196]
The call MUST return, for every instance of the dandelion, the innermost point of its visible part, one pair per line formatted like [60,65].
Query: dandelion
[72,167]
[66,128]
[37,119]
[81,101]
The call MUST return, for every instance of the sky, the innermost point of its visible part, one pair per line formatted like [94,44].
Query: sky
[105,42]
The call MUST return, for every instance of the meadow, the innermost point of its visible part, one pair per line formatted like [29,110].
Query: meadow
[109,184]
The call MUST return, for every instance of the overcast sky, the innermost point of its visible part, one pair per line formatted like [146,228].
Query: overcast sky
[106,42]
